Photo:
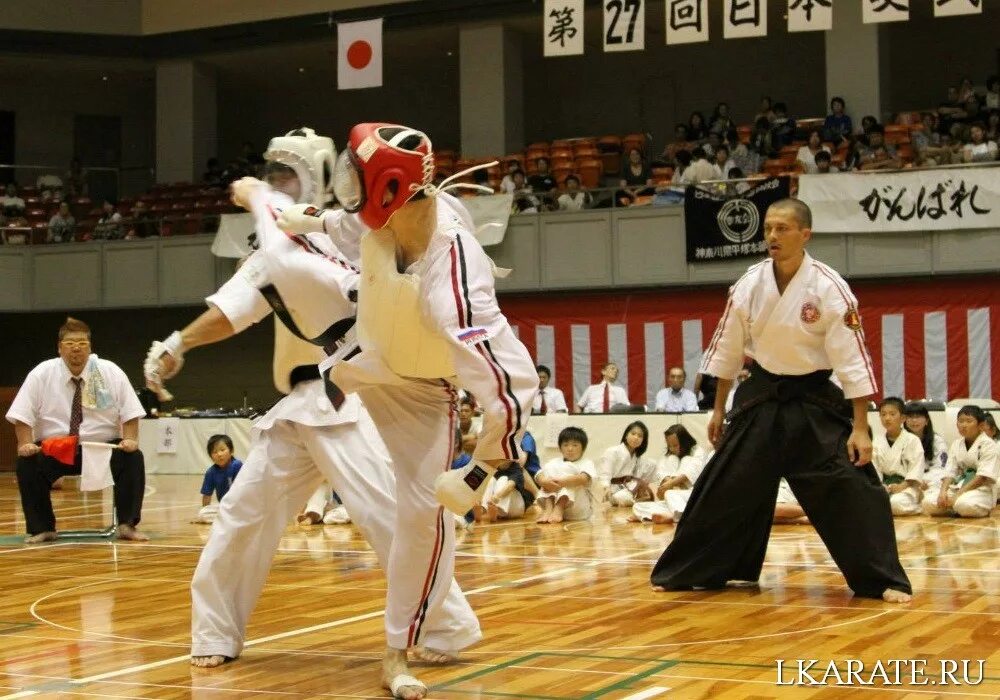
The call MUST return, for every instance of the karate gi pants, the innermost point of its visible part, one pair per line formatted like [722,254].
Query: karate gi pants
[285,465]
[783,426]
[977,503]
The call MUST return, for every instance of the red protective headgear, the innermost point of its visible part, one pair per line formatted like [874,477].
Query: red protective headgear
[381,159]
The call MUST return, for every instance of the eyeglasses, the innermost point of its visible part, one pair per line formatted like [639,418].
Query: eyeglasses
[75,343]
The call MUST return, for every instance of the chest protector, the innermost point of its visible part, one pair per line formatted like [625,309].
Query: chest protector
[390,322]
[289,353]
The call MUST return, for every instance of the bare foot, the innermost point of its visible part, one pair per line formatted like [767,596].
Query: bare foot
[40,537]
[478,514]
[543,519]
[308,519]
[209,661]
[634,519]
[659,589]
[128,532]
[492,512]
[891,595]
[435,656]
[397,679]
[57,485]
[556,517]
[660,519]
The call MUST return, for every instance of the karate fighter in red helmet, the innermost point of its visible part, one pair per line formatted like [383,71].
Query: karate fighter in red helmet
[428,323]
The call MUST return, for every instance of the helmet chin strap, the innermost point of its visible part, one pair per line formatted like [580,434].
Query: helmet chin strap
[430,189]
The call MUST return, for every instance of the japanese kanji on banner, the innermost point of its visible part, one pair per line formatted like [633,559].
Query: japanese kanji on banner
[563,35]
[950,8]
[917,200]
[744,18]
[810,15]
[167,435]
[875,11]
[624,25]
[687,21]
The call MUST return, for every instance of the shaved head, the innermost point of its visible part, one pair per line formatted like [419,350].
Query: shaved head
[798,209]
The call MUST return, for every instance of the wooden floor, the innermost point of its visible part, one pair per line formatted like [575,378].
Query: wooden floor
[567,613]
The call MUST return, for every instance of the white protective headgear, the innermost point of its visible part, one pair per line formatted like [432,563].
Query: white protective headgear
[312,158]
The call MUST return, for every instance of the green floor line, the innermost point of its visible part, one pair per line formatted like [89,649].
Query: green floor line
[485,671]
[490,693]
[628,683]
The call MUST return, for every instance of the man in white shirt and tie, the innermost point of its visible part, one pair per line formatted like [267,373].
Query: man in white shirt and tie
[603,396]
[77,394]
[549,399]
[675,398]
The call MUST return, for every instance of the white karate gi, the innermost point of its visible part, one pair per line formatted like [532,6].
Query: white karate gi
[617,462]
[983,456]
[785,494]
[592,399]
[934,468]
[904,458]
[674,500]
[455,324]
[580,498]
[300,442]
[809,327]
[512,504]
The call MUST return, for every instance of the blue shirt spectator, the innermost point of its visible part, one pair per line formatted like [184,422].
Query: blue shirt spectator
[218,480]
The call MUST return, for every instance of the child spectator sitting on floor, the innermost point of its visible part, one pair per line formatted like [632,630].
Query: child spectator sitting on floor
[219,477]
[968,488]
[565,482]
[898,457]
[623,473]
[676,474]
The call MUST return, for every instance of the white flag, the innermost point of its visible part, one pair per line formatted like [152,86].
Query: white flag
[95,466]
[359,54]
[950,8]
[687,21]
[810,15]
[744,18]
[624,25]
[876,11]
[563,23]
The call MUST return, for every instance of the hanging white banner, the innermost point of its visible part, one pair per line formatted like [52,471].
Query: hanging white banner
[919,200]
[687,21]
[744,18]
[875,11]
[563,25]
[951,8]
[624,25]
[810,15]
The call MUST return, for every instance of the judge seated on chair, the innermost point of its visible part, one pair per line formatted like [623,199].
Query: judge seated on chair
[67,402]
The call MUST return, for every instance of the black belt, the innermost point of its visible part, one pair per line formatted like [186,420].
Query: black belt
[763,386]
[303,373]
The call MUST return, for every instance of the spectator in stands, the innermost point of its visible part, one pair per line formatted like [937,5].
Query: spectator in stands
[524,201]
[806,156]
[782,127]
[674,398]
[507,183]
[712,144]
[213,173]
[542,181]
[962,122]
[966,91]
[993,125]
[697,129]
[50,187]
[873,143]
[549,398]
[61,226]
[109,226]
[736,188]
[574,198]
[992,98]
[949,110]
[681,163]
[721,121]
[700,169]
[144,224]
[978,149]
[881,159]
[824,164]
[605,395]
[12,205]
[765,111]
[637,178]
[723,162]
[837,127]
[760,141]
[868,122]
[76,179]
[925,141]
[679,143]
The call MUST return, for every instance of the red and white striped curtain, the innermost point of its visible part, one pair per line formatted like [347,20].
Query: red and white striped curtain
[937,338]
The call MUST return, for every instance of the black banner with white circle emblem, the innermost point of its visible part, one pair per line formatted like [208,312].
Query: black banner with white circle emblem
[726,224]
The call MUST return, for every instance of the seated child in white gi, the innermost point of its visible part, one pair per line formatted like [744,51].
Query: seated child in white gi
[506,495]
[219,477]
[898,456]
[787,510]
[564,483]
[969,486]
[918,422]
[623,472]
[677,471]
[324,506]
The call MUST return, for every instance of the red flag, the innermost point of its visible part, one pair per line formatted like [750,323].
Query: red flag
[62,449]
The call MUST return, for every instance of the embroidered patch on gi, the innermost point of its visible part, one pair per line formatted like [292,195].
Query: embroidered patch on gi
[471,336]
[852,319]
[809,313]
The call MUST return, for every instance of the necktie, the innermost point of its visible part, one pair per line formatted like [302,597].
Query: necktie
[544,408]
[76,412]
[607,398]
